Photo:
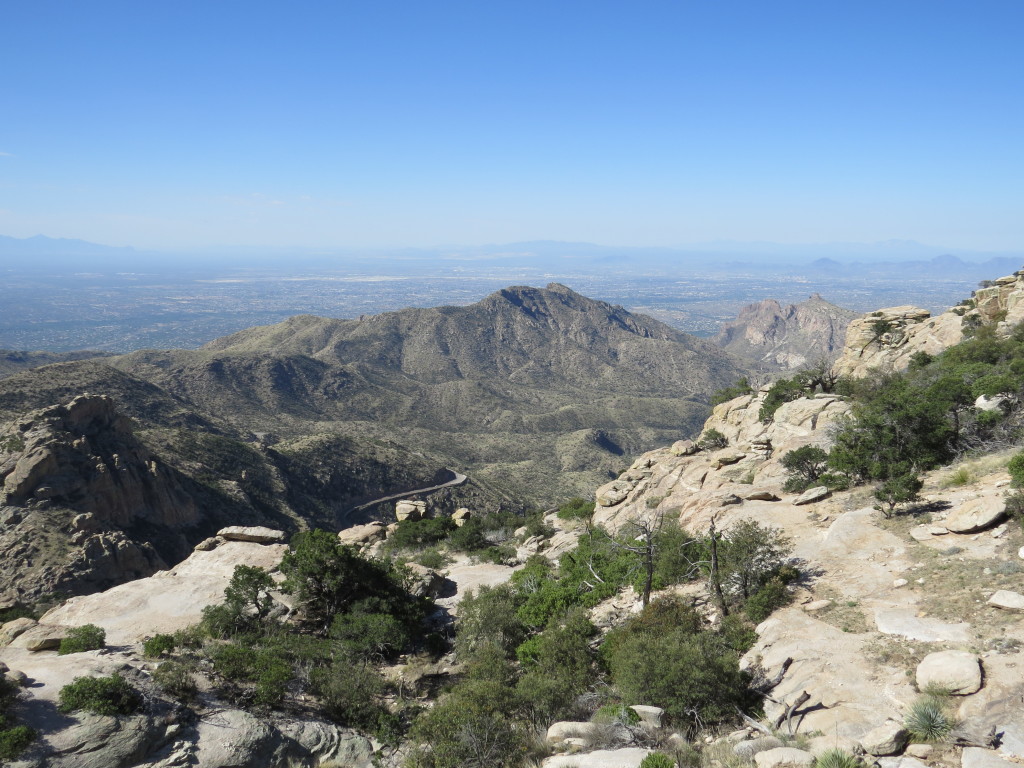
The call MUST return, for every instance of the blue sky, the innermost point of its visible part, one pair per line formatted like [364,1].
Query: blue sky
[177,124]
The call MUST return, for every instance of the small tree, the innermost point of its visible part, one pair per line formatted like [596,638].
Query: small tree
[806,465]
[899,489]
[248,592]
[712,440]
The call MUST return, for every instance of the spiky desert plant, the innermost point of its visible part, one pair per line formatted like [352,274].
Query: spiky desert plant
[837,758]
[657,760]
[927,720]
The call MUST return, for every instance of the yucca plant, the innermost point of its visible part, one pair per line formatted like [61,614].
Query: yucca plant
[657,760]
[927,720]
[837,758]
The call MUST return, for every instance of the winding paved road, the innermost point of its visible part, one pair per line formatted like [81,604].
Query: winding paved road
[457,479]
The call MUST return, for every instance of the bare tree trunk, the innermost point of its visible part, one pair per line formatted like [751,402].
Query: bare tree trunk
[716,581]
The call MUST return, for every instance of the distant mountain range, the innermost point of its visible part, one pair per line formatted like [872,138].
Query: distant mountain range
[880,258]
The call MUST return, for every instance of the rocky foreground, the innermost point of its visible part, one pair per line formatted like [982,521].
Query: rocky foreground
[886,607]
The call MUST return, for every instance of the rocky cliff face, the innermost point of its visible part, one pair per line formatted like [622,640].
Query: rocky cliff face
[887,340]
[84,456]
[78,491]
[786,338]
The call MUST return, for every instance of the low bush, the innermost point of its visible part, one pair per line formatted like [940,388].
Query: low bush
[350,693]
[712,440]
[1016,470]
[158,645]
[265,668]
[87,637]
[175,679]
[694,678]
[432,558]
[414,534]
[14,741]
[766,601]
[658,760]
[740,388]
[100,695]
[576,509]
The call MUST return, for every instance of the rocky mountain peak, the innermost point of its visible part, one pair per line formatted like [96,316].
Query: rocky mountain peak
[786,337]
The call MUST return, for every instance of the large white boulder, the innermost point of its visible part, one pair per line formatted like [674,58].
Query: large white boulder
[567,729]
[976,515]
[780,757]
[887,739]
[628,757]
[958,672]
[1007,600]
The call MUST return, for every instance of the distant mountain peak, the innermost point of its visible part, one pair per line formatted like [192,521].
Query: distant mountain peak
[785,338]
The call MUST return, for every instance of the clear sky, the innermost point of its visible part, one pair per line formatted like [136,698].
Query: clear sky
[192,123]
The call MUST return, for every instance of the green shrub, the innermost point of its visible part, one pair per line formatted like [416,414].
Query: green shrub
[474,724]
[740,388]
[414,534]
[490,616]
[469,537]
[350,693]
[712,440]
[558,668]
[766,600]
[837,758]
[158,645]
[1015,507]
[658,760]
[576,509]
[666,614]
[87,637]
[780,393]
[1016,470]
[175,679]
[370,635]
[14,741]
[806,465]
[694,678]
[927,720]
[266,668]
[100,695]
[432,558]
[18,611]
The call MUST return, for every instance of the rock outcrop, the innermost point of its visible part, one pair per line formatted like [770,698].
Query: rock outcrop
[749,470]
[887,339]
[76,480]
